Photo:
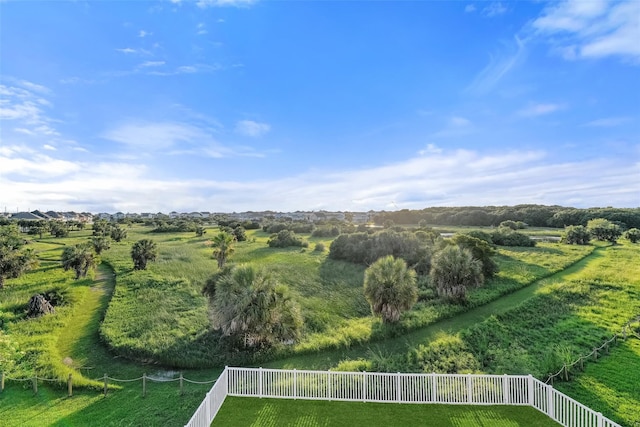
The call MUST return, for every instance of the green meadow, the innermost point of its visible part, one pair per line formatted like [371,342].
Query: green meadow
[547,304]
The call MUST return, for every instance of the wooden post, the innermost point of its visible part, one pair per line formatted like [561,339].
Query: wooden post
[581,364]
[35,384]
[105,385]
[69,386]
[181,384]
[566,372]
[144,385]
[595,353]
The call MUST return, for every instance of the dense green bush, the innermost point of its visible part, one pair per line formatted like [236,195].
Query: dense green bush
[576,235]
[285,238]
[507,237]
[365,249]
[632,235]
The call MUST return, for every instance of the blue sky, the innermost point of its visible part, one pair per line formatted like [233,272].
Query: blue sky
[236,105]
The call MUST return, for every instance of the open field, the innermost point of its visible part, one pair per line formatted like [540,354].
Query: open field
[593,292]
[244,411]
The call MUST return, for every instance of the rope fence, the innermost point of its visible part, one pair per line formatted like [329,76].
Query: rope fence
[627,331]
[105,379]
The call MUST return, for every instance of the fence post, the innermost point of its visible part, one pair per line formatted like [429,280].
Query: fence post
[329,385]
[550,409]
[600,420]
[144,385]
[295,384]
[530,390]
[364,386]
[1,381]
[105,385]
[595,353]
[398,391]
[69,386]
[207,408]
[434,388]
[505,389]
[469,388]
[566,372]
[181,384]
[35,384]
[260,381]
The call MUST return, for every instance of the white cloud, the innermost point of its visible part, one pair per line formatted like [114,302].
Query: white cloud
[494,9]
[221,3]
[49,147]
[154,135]
[459,122]
[535,110]
[430,149]
[143,33]
[151,64]
[592,29]
[26,108]
[609,122]
[469,8]
[499,66]
[251,128]
[146,139]
[435,180]
[200,29]
[132,51]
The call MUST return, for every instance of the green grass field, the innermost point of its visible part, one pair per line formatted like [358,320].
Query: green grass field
[243,411]
[159,318]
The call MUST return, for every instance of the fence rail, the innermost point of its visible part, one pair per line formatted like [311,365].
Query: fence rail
[523,390]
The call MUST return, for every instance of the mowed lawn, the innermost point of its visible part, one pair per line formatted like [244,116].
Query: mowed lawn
[245,412]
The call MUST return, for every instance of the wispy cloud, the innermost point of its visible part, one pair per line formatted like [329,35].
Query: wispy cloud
[132,51]
[150,138]
[151,64]
[454,126]
[592,29]
[430,149]
[494,9]
[469,8]
[143,33]
[201,29]
[541,109]
[222,3]
[24,106]
[434,180]
[609,122]
[499,66]
[252,128]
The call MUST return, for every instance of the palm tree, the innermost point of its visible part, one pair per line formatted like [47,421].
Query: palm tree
[222,247]
[453,271]
[118,233]
[100,243]
[80,258]
[250,305]
[390,288]
[143,251]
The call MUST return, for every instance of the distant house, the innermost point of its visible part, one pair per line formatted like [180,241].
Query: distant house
[55,215]
[29,216]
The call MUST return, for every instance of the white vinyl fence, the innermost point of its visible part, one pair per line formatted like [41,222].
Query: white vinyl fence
[469,389]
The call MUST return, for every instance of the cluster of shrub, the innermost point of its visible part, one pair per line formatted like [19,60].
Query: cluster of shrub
[600,229]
